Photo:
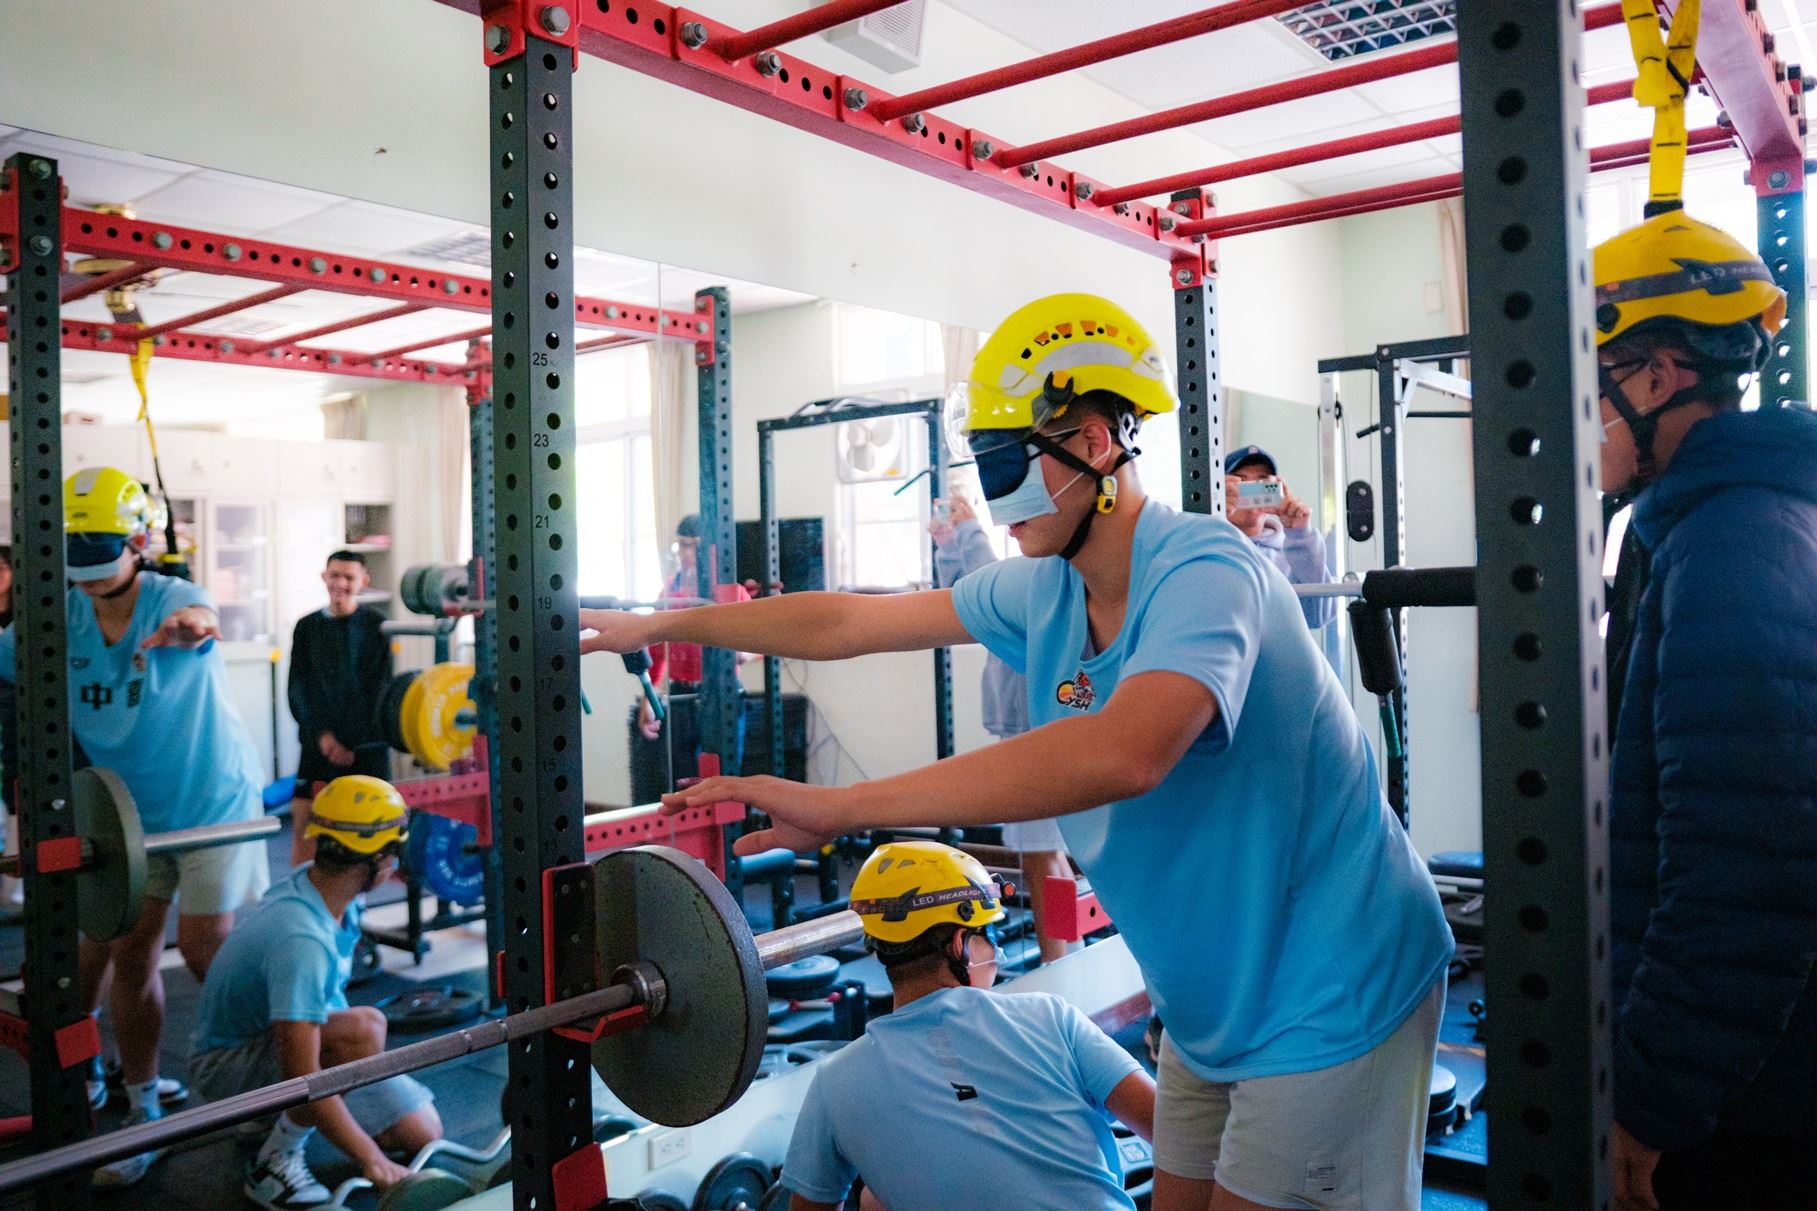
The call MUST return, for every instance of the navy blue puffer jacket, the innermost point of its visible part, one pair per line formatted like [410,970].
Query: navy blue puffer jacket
[1713,829]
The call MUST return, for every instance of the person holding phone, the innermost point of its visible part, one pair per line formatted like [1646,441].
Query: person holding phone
[1279,524]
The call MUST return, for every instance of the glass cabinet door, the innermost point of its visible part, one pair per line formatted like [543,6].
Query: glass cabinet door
[239,575]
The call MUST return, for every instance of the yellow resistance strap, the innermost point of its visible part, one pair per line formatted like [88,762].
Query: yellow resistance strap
[1666,65]
[141,359]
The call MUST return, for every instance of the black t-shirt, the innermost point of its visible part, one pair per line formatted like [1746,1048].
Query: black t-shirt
[338,671]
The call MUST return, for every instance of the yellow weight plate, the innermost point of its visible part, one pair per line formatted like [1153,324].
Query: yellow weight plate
[439,715]
[408,713]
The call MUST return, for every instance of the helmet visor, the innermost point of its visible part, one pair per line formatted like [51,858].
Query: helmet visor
[92,556]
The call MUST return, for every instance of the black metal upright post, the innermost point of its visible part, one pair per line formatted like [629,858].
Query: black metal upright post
[485,662]
[1195,316]
[1785,381]
[1394,550]
[943,657]
[721,703]
[1539,598]
[534,589]
[772,563]
[53,997]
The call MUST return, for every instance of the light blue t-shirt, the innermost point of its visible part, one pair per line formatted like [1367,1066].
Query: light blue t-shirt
[1281,918]
[287,960]
[961,1091]
[162,719]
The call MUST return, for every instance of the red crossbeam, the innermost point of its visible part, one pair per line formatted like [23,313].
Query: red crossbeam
[1086,54]
[1744,73]
[472,334]
[1407,193]
[214,313]
[1262,96]
[106,281]
[809,21]
[1315,153]
[352,321]
[1259,97]
[89,233]
[201,347]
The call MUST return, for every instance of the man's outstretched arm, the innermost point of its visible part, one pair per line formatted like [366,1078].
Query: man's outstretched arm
[795,626]
[1070,765]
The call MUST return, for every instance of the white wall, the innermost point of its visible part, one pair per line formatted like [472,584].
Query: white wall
[1390,262]
[660,172]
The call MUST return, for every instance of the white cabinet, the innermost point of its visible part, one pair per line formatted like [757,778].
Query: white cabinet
[239,576]
[352,470]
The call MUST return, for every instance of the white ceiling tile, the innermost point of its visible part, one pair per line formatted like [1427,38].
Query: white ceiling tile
[219,201]
[1436,86]
[97,174]
[1406,158]
[1293,120]
[1426,166]
[363,227]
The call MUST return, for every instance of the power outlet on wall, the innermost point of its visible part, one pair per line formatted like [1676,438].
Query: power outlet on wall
[669,1148]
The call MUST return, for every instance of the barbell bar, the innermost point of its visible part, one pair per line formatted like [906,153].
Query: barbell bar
[675,943]
[110,869]
[1401,588]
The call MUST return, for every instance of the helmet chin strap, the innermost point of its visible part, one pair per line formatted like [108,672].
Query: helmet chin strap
[126,586]
[1644,426]
[1107,488]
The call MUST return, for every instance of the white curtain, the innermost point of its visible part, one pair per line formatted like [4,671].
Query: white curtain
[345,418]
[454,517]
[960,346]
[671,433]
[1451,251]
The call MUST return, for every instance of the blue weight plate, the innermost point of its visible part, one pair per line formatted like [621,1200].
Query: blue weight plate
[437,852]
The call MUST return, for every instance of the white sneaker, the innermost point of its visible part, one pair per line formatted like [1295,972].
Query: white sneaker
[281,1181]
[123,1173]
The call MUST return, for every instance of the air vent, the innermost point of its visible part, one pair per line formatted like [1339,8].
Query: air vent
[471,247]
[890,39]
[1344,29]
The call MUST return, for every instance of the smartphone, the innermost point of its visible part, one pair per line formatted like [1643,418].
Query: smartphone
[1261,494]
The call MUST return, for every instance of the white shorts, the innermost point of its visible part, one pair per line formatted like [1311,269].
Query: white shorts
[1034,836]
[205,882]
[1350,1137]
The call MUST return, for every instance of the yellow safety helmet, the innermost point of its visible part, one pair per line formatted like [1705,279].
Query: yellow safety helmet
[906,888]
[361,812]
[1057,347]
[106,500]
[1675,270]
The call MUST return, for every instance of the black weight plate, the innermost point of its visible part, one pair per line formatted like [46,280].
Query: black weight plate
[804,979]
[391,711]
[430,1190]
[737,1183]
[661,1200]
[611,1127]
[110,894]
[698,1056]
[430,1008]
[366,962]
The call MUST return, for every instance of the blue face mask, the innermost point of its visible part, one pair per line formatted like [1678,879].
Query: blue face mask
[1009,472]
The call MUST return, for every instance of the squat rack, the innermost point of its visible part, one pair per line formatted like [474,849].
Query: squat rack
[1539,586]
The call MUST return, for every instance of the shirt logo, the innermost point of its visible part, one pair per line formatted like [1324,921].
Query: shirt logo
[96,695]
[135,690]
[965,1092]
[78,662]
[1077,693]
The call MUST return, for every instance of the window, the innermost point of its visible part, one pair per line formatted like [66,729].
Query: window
[882,534]
[616,519]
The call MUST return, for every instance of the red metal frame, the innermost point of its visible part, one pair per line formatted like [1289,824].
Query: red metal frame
[809,21]
[1070,914]
[149,246]
[1318,153]
[1744,73]
[1088,54]
[1427,189]
[698,832]
[463,797]
[58,854]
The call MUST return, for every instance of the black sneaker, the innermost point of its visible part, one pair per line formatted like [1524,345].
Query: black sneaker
[281,1181]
